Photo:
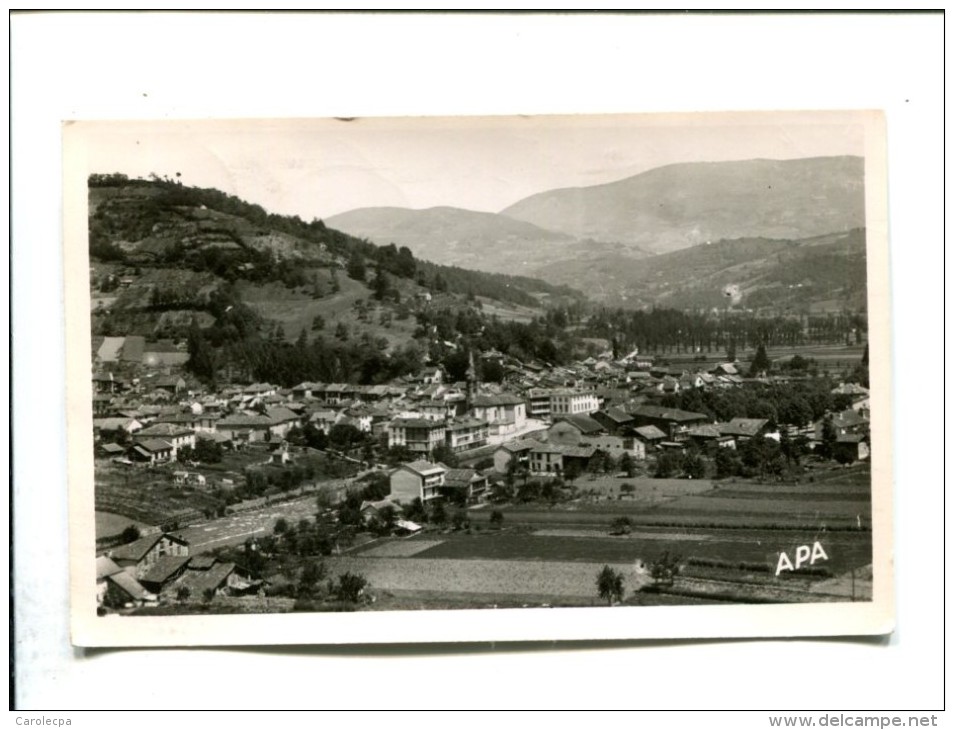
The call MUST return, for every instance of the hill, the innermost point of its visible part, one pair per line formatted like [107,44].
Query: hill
[467,238]
[684,204]
[819,274]
[175,263]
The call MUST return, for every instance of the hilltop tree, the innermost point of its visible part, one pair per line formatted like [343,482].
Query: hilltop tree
[356,268]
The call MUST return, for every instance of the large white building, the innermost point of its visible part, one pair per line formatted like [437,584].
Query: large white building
[573,402]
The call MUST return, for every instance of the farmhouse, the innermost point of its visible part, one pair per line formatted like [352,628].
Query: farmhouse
[743,429]
[162,571]
[417,480]
[141,555]
[554,459]
[650,436]
[672,421]
[116,588]
[240,427]
[850,447]
[464,486]
[613,420]
[177,436]
[519,450]
[152,451]
[570,430]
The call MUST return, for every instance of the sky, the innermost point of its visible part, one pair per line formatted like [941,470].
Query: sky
[318,168]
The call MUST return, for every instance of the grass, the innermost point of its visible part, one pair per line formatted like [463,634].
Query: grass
[845,550]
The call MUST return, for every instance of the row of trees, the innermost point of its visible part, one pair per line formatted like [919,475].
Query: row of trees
[675,330]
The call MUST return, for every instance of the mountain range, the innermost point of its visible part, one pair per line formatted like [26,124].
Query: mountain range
[594,237]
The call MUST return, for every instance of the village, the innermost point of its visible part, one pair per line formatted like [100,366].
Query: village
[197,487]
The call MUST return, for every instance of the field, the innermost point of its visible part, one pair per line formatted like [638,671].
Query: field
[727,538]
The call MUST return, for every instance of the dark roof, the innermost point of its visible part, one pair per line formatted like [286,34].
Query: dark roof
[417,423]
[131,586]
[112,448]
[202,562]
[281,415]
[650,433]
[584,424]
[503,399]
[743,426]
[138,549]
[617,415]
[163,429]
[200,581]
[459,476]
[240,420]
[164,568]
[850,438]
[151,446]
[422,467]
[465,422]
[668,414]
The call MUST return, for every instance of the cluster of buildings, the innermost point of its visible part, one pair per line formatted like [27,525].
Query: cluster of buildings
[551,420]
[138,573]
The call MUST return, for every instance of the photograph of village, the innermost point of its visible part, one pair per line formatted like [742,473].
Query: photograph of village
[378,365]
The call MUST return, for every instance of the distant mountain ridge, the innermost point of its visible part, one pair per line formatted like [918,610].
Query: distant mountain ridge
[460,237]
[683,204]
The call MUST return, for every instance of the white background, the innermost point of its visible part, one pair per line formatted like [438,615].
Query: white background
[174,66]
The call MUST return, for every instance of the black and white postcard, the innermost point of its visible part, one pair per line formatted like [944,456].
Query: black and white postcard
[380,380]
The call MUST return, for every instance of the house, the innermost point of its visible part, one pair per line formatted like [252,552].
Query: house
[163,571]
[613,420]
[850,447]
[109,426]
[673,422]
[706,434]
[616,446]
[743,429]
[417,480]
[650,436]
[152,451]
[176,435]
[464,486]
[205,575]
[117,588]
[570,430]
[139,556]
[847,422]
[198,422]
[418,435]
[431,376]
[519,450]
[372,510]
[725,368]
[572,402]
[538,403]
[505,414]
[283,420]
[244,428]
[111,450]
[465,433]
[170,384]
[555,459]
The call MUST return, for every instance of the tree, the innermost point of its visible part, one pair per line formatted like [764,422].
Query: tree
[627,488]
[313,572]
[496,518]
[829,436]
[609,583]
[183,594]
[130,534]
[760,363]
[350,586]
[460,519]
